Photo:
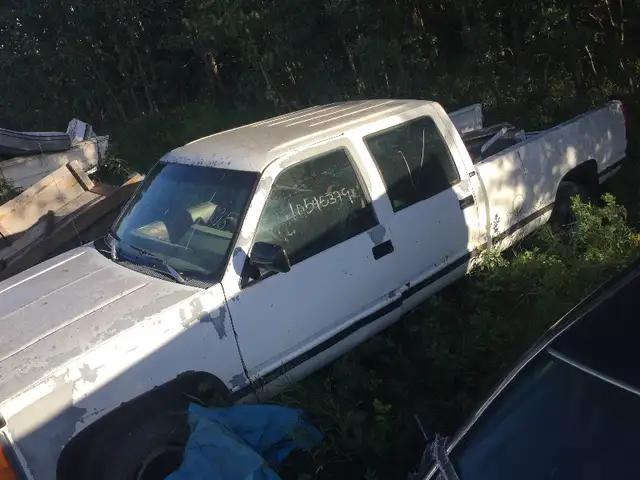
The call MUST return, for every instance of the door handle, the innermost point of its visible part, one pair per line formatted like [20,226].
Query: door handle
[466,202]
[382,249]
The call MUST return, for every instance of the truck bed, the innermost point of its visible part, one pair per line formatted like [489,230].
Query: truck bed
[521,171]
[488,141]
[485,142]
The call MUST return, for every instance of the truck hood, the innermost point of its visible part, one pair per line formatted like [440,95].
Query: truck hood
[61,307]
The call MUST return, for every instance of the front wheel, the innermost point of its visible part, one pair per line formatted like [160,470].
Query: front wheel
[143,440]
[145,446]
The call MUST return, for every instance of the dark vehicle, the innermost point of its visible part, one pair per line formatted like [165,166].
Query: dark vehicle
[569,410]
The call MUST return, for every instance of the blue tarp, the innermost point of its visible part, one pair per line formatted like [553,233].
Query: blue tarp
[242,442]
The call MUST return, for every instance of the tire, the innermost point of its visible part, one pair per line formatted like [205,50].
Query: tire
[562,217]
[141,441]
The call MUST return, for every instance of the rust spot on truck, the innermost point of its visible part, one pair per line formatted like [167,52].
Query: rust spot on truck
[192,314]
[217,320]
[197,313]
[88,374]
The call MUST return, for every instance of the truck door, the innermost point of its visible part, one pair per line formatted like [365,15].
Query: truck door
[342,286]
[434,206]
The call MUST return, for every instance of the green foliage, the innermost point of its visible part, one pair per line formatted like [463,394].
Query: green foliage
[158,74]
[602,235]
[113,170]
[122,59]
[441,359]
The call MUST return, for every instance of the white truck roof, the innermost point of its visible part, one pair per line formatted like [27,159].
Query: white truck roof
[252,147]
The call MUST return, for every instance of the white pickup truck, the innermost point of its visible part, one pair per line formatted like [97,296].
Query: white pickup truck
[249,258]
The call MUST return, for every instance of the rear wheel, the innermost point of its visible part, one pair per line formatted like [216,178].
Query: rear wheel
[562,216]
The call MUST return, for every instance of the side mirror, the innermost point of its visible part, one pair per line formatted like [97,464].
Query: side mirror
[269,258]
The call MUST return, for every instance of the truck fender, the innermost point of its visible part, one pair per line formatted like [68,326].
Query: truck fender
[585,175]
[150,421]
[581,181]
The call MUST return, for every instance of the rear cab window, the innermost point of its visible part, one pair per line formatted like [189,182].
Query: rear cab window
[414,161]
[314,205]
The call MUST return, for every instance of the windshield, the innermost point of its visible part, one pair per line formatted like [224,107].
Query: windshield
[186,217]
[553,422]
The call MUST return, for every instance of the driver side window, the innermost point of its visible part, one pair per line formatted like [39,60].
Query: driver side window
[315,205]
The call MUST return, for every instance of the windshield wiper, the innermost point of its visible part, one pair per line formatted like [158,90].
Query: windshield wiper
[113,248]
[167,269]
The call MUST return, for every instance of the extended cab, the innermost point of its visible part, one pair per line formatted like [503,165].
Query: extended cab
[254,256]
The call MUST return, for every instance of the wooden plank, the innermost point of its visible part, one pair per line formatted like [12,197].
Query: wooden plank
[76,205]
[104,189]
[48,224]
[25,171]
[48,195]
[70,227]
[13,245]
[83,179]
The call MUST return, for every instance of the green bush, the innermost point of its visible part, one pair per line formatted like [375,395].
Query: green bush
[602,234]
[113,170]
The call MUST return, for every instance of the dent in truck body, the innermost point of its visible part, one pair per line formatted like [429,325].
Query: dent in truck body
[106,356]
